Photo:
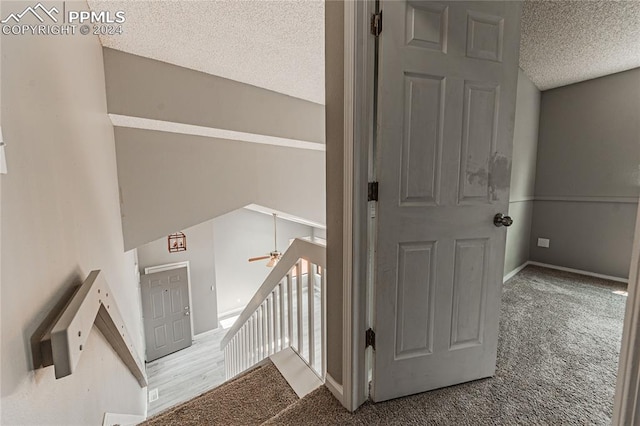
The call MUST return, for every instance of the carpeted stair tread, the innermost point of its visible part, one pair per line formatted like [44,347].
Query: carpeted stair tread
[302,412]
[248,400]
[557,363]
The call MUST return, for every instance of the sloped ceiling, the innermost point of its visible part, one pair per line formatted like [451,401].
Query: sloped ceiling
[276,45]
[565,42]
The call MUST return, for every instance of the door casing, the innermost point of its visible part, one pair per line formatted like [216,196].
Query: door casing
[358,122]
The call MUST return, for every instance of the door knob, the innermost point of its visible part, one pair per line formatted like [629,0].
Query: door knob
[186,313]
[502,220]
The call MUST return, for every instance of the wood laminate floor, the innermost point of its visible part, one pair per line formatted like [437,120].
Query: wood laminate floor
[188,373]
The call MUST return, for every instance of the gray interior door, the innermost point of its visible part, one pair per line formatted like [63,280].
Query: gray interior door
[447,87]
[166,311]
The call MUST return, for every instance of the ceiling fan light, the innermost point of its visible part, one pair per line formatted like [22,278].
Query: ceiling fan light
[272,262]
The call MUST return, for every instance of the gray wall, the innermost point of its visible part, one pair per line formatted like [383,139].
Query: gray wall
[208,177]
[60,220]
[334,96]
[588,178]
[143,87]
[240,235]
[200,254]
[523,171]
[217,251]
[171,181]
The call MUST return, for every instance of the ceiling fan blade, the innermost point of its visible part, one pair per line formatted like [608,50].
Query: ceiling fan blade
[253,259]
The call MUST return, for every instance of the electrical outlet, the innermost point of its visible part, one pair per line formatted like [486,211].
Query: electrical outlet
[543,242]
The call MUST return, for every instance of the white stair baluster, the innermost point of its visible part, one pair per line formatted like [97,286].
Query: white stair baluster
[239,343]
[233,357]
[299,306]
[249,343]
[311,311]
[245,348]
[240,351]
[282,319]
[269,322]
[256,345]
[265,347]
[323,319]
[226,362]
[259,332]
[234,349]
[290,308]
[239,346]
[243,353]
[276,321]
[237,350]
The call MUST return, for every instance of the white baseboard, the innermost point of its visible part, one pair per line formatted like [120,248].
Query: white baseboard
[562,268]
[113,419]
[579,271]
[334,387]
[514,272]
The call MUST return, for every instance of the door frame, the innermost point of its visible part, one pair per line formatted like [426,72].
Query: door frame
[626,409]
[359,73]
[168,267]
[359,84]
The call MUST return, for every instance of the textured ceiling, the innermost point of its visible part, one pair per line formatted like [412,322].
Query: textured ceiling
[565,42]
[276,45]
[279,44]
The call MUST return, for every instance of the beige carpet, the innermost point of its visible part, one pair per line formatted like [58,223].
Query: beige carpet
[248,400]
[558,352]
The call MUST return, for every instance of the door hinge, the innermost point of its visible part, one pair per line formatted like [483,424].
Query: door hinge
[376,23]
[370,339]
[372,192]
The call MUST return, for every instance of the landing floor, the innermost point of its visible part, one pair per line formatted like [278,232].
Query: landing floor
[185,374]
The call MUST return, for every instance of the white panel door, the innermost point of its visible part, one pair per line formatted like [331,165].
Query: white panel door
[447,86]
[166,312]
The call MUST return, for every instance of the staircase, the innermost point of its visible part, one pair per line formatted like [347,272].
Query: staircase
[287,311]
[275,352]
[259,396]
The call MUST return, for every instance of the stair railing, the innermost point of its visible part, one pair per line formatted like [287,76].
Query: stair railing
[288,310]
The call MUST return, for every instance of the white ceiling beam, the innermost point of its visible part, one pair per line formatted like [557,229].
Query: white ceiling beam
[190,129]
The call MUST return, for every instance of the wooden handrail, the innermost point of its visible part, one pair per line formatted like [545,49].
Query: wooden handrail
[299,249]
[64,339]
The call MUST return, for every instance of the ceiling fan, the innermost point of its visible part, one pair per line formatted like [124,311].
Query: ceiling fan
[275,255]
